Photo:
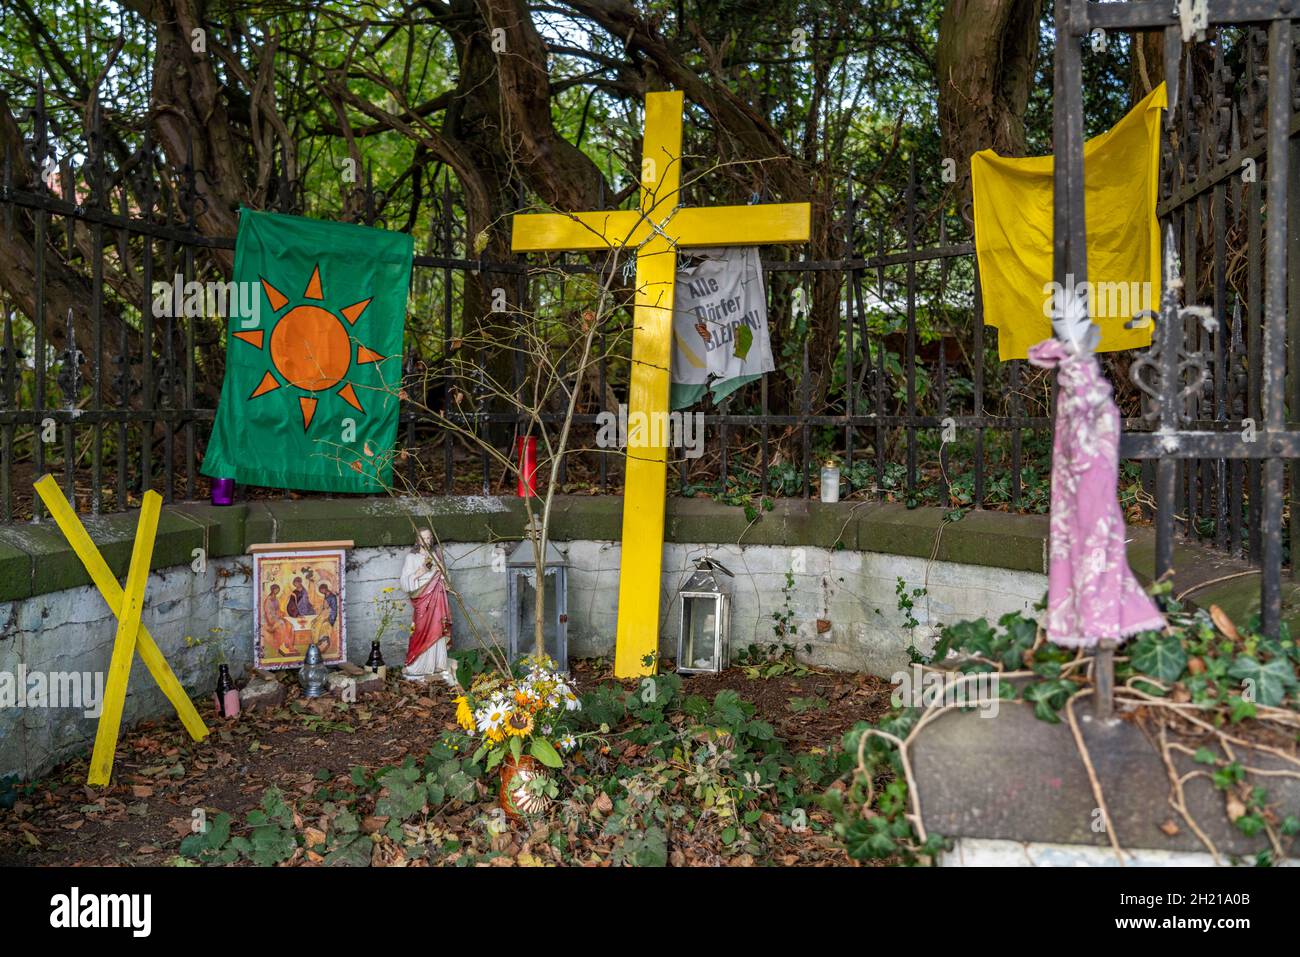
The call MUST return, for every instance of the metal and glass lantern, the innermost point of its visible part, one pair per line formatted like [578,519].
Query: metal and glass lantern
[313,672]
[706,609]
[521,600]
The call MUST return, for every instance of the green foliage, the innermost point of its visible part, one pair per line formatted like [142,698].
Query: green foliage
[1231,674]
[1159,655]
[773,660]
[1264,682]
[906,602]
[870,814]
[12,788]
[784,615]
[269,834]
[470,663]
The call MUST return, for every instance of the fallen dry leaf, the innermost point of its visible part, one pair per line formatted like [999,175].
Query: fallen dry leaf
[1224,623]
[1234,806]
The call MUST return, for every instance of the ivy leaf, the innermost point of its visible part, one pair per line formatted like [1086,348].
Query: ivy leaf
[1267,683]
[1047,698]
[1241,709]
[1159,656]
[1020,637]
[1205,756]
[972,636]
[868,840]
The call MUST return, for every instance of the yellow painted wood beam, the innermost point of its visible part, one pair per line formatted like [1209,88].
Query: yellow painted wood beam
[741,225]
[128,627]
[103,578]
[549,232]
[661,154]
[641,564]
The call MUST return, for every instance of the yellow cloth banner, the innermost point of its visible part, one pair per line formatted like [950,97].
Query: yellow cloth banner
[1013,234]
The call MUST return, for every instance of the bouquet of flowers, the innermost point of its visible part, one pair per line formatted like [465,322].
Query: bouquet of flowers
[520,712]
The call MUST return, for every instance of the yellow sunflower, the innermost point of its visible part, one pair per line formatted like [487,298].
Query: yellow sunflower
[464,717]
[495,735]
[520,724]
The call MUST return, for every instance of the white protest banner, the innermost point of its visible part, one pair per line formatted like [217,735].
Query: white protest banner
[720,339]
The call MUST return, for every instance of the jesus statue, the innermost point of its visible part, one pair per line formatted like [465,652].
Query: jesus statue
[423,578]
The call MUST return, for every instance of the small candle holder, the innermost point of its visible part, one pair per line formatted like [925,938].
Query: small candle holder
[313,673]
[830,482]
[223,491]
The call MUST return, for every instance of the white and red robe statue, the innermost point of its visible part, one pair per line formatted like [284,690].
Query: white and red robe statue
[423,581]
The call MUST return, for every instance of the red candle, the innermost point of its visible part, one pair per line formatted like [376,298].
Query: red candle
[526,453]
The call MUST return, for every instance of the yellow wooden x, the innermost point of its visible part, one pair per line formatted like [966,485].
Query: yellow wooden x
[656,231]
[127,607]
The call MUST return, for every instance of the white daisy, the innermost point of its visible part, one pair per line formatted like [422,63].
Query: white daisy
[490,718]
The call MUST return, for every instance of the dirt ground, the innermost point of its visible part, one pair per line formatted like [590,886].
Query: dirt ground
[161,776]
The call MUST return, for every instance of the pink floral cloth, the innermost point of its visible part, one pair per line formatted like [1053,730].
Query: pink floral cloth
[1091,591]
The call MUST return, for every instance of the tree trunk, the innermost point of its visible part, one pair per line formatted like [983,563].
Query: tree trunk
[986,57]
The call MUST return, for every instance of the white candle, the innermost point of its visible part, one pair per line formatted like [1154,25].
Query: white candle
[830,483]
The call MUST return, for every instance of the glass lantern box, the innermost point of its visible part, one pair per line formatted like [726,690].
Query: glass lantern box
[702,639]
[521,602]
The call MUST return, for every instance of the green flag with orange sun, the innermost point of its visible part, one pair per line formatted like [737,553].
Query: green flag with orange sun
[310,399]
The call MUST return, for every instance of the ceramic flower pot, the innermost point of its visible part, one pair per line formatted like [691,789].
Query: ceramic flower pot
[513,796]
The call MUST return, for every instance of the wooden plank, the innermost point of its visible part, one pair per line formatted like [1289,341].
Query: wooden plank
[641,567]
[111,591]
[128,626]
[551,232]
[643,498]
[297,546]
[741,225]
[661,154]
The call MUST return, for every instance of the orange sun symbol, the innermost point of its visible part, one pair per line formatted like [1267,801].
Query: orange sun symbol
[310,348]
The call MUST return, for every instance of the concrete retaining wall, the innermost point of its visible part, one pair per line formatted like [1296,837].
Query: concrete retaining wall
[69,629]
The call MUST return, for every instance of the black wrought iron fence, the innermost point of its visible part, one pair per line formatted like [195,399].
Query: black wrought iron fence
[1219,390]
[908,396]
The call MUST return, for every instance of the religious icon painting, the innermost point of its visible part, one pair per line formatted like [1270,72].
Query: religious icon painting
[298,600]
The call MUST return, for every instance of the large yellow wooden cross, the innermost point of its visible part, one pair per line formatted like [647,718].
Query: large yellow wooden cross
[656,231]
